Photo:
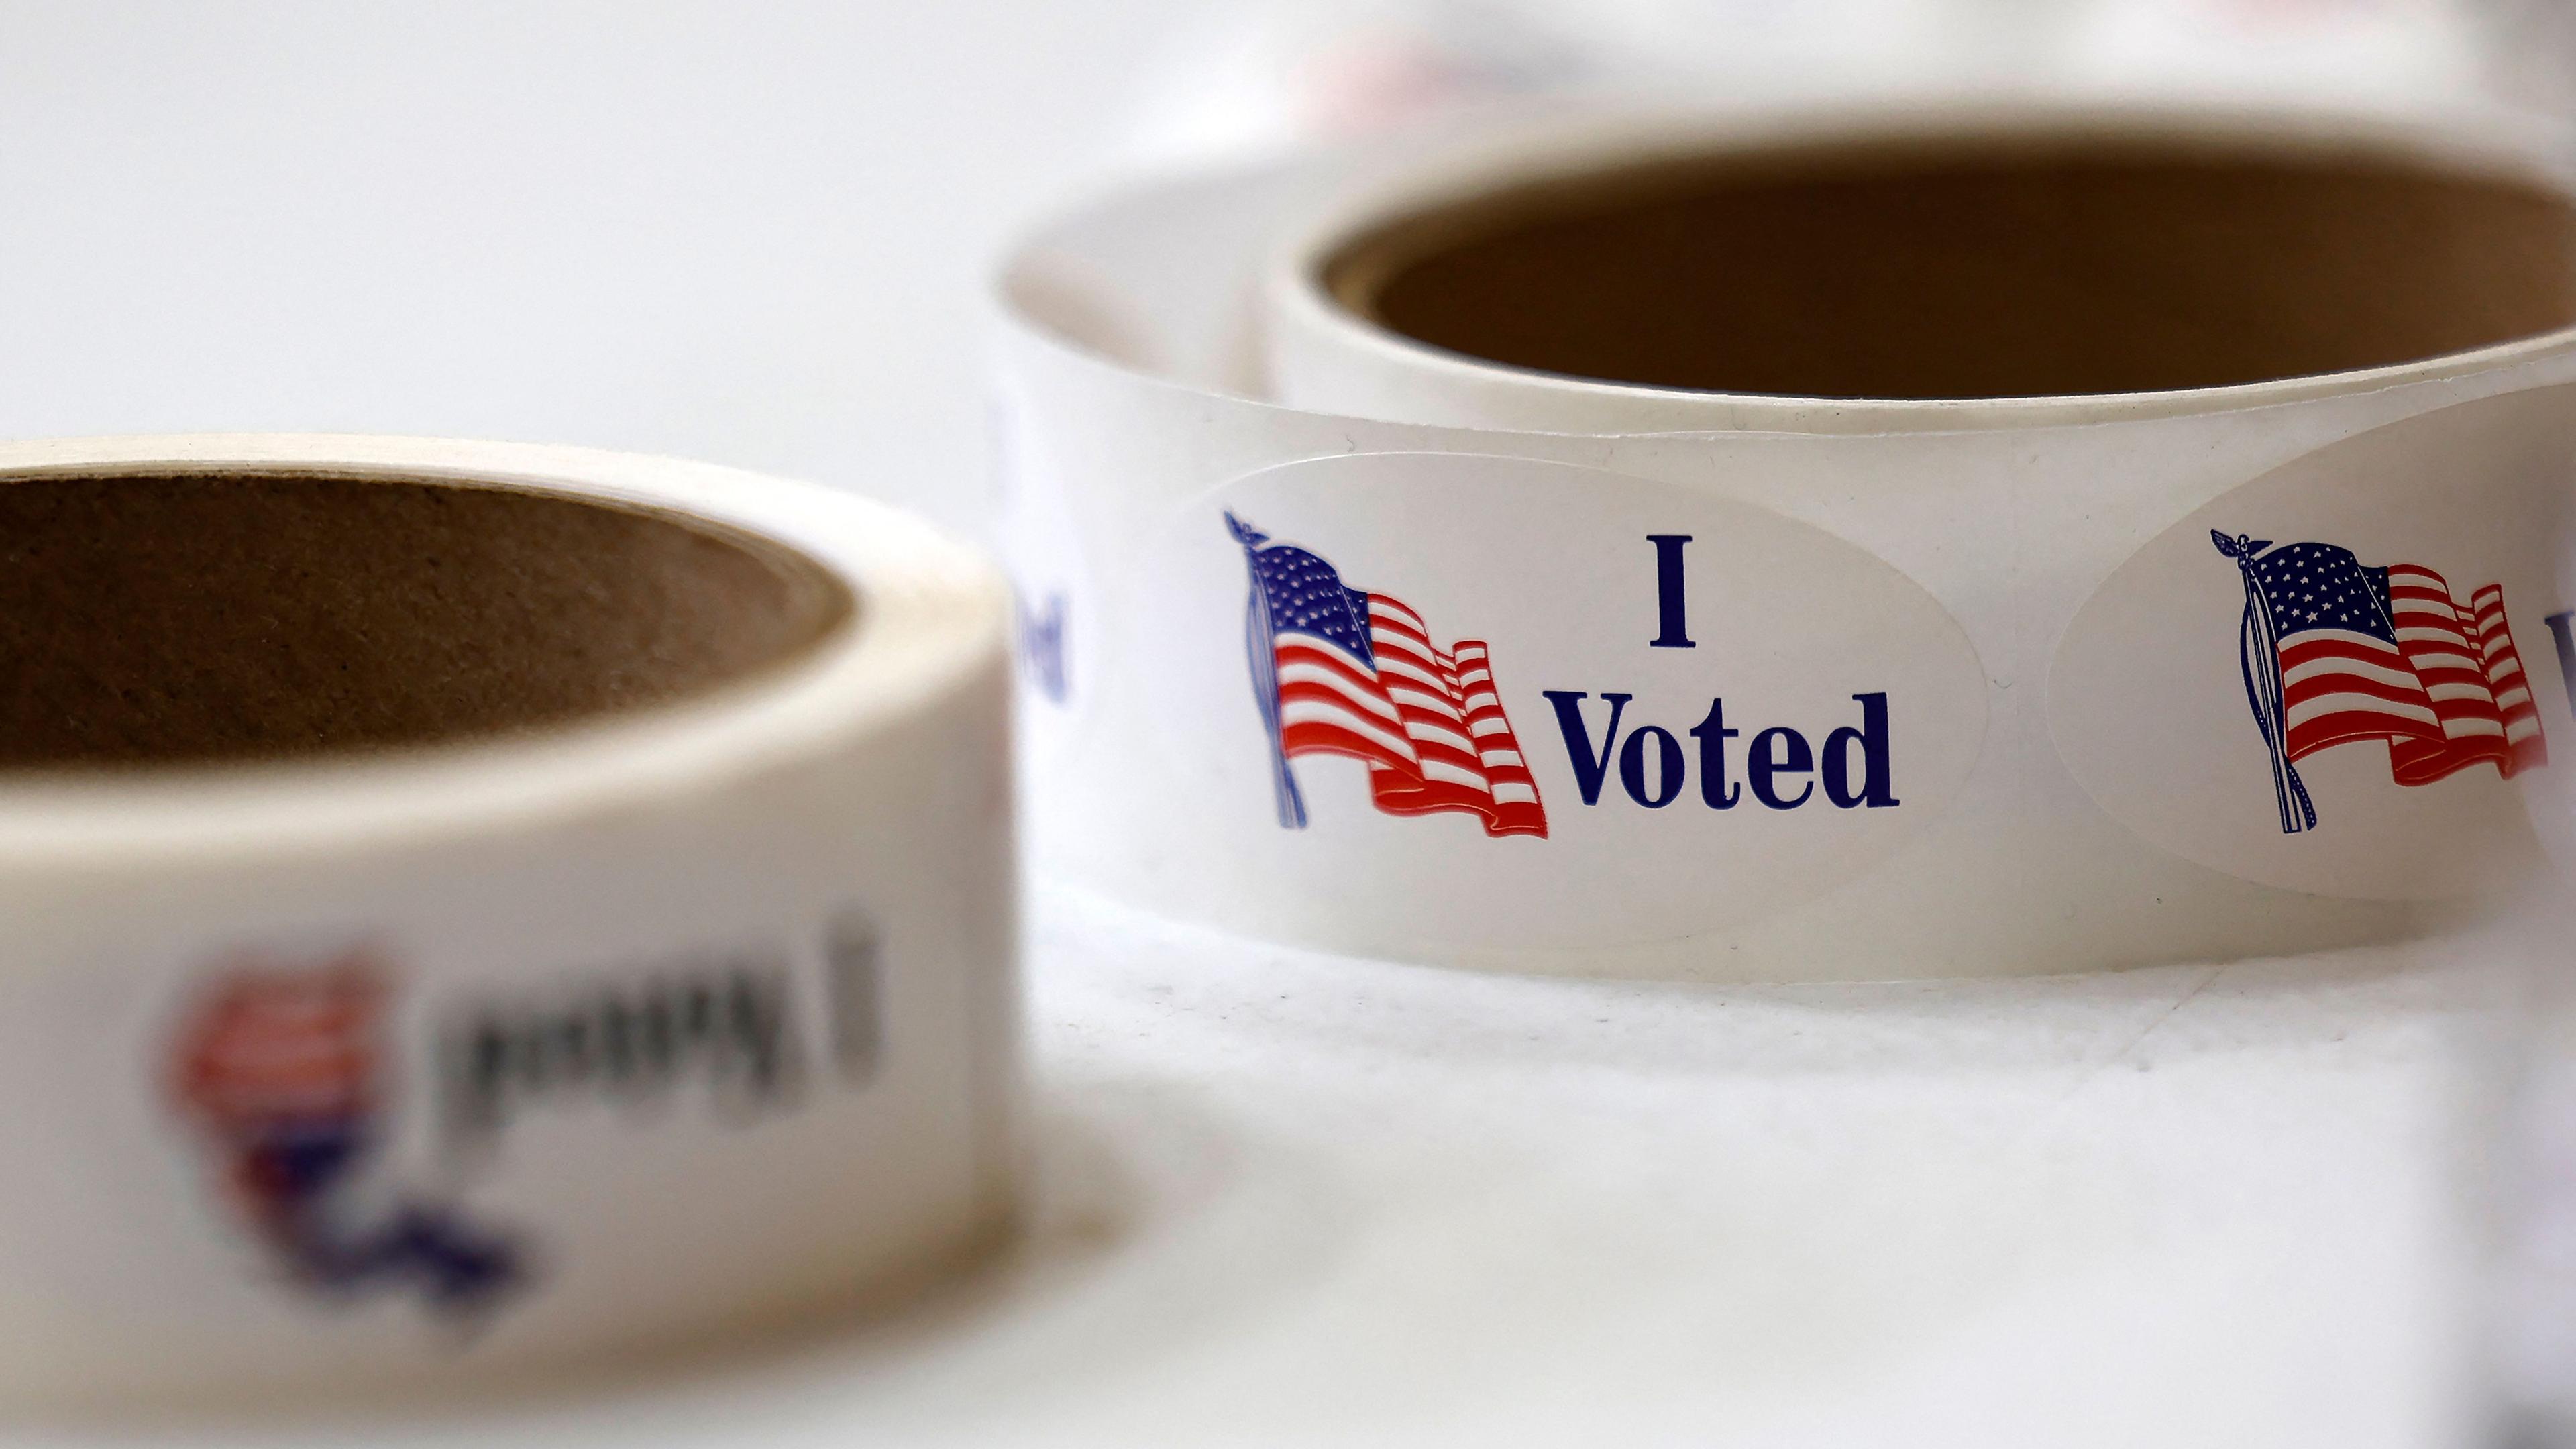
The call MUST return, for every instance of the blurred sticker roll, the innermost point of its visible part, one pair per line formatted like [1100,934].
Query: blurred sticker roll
[1823,545]
[470,908]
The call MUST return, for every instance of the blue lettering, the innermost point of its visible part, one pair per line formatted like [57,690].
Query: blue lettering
[1668,760]
[1588,767]
[1672,621]
[1856,766]
[1777,752]
[2566,641]
[1714,790]
[1878,773]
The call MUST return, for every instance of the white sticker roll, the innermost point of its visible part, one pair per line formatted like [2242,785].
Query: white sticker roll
[471,907]
[1372,641]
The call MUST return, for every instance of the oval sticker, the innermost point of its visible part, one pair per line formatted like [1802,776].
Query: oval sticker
[2334,678]
[1481,702]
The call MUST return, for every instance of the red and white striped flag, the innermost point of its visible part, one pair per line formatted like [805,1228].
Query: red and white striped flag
[1344,672]
[2335,652]
[2464,657]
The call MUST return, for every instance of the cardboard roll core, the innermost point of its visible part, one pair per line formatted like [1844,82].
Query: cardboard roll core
[1974,267]
[176,618]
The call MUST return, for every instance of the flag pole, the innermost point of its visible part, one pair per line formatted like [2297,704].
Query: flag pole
[1261,654]
[2258,658]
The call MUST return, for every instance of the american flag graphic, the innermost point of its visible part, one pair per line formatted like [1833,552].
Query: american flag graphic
[286,1046]
[1339,671]
[281,1071]
[2334,651]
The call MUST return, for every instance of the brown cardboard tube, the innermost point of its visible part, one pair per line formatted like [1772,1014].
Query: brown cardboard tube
[169,618]
[1974,267]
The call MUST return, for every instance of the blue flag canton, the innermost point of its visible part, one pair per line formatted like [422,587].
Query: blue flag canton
[2320,586]
[1307,596]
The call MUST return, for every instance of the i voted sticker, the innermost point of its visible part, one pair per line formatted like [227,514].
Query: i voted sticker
[1487,702]
[2342,676]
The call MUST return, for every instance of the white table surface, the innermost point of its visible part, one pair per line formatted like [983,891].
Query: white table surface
[1284,1198]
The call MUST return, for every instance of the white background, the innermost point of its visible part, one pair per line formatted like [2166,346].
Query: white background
[744,232]
[753,232]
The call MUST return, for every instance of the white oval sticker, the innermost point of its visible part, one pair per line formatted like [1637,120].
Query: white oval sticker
[2325,680]
[1483,702]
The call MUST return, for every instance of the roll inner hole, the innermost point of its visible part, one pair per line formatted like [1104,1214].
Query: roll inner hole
[150,619]
[1975,268]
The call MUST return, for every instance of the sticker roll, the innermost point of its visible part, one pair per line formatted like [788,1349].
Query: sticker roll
[471,908]
[1359,610]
